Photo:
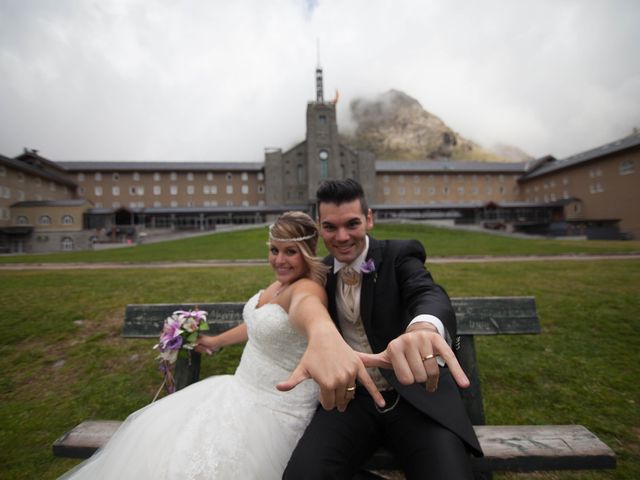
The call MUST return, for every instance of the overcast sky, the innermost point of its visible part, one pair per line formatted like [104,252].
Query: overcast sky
[216,80]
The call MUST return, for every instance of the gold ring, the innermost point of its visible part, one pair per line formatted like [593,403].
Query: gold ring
[351,389]
[428,357]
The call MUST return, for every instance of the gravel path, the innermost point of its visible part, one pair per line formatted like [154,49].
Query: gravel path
[252,263]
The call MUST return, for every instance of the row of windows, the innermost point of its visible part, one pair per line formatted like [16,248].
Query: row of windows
[444,178]
[66,243]
[138,190]
[175,204]
[5,192]
[157,176]
[21,178]
[45,220]
[551,197]
[445,190]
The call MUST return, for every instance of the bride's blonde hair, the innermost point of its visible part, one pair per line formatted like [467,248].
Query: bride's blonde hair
[300,228]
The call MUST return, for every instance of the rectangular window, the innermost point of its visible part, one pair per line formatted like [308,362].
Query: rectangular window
[174,190]
[229,189]
[626,167]
[157,190]
[98,176]
[245,189]
[115,191]
[156,176]
[98,191]
[245,176]
[190,189]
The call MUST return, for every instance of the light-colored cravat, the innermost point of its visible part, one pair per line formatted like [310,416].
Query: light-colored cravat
[350,280]
[348,303]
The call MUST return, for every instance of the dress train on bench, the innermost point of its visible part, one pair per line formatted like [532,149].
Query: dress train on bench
[224,427]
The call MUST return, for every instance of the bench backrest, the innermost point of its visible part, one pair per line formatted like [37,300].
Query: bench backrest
[475,316]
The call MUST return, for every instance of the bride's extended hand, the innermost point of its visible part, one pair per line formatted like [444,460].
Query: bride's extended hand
[206,344]
[335,367]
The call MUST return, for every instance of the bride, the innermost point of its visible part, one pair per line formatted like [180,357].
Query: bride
[241,426]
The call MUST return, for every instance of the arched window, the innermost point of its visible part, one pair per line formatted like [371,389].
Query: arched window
[66,220]
[66,244]
[44,220]
[22,220]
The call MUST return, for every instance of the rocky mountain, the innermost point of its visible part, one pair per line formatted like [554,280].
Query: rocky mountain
[394,126]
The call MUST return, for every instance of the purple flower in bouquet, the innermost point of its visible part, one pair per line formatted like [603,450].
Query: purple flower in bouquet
[179,332]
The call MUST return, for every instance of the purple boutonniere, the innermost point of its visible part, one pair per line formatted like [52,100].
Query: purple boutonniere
[368,266]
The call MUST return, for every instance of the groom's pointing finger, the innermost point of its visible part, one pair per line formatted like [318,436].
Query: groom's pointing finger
[368,383]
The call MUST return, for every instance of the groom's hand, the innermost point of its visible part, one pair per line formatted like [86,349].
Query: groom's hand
[334,366]
[413,357]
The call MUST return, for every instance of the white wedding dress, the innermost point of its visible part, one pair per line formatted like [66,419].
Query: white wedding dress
[224,427]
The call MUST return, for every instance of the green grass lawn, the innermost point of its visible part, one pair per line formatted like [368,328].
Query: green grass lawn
[250,244]
[63,361]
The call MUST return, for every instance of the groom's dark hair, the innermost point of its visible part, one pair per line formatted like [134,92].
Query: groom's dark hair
[339,192]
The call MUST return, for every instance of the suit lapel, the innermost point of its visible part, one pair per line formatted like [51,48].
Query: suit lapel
[367,293]
[330,287]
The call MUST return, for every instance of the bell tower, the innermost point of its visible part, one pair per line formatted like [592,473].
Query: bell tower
[323,149]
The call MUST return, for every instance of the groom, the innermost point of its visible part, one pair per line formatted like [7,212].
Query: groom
[383,300]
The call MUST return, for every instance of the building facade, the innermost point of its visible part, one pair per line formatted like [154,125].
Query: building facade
[592,194]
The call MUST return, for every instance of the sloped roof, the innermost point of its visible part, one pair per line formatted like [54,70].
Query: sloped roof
[30,169]
[586,156]
[73,202]
[159,166]
[453,166]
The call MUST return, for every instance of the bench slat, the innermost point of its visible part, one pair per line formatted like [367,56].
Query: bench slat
[506,448]
[475,315]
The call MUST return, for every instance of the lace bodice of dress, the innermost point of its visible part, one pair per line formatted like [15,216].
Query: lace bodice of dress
[272,352]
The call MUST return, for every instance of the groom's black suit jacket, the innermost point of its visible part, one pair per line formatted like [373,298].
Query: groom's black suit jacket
[399,290]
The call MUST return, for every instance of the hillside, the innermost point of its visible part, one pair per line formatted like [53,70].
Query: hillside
[394,126]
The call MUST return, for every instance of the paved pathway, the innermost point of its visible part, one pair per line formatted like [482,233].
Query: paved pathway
[252,263]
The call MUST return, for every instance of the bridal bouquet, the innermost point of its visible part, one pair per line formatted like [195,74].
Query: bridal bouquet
[180,332]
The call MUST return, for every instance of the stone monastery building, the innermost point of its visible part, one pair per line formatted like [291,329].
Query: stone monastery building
[60,206]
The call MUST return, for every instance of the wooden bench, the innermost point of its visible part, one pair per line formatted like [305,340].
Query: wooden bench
[507,448]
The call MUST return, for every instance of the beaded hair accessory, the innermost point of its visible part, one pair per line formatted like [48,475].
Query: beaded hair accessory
[296,239]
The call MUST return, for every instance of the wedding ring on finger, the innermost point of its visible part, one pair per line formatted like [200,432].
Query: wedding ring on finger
[428,357]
